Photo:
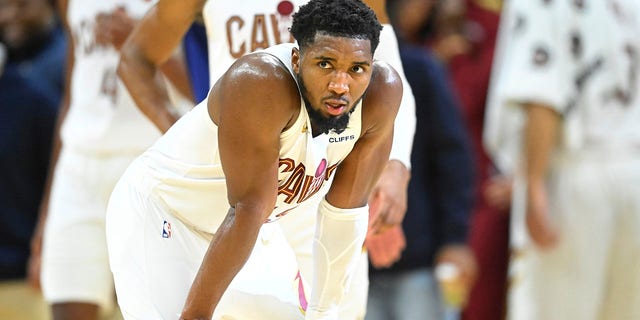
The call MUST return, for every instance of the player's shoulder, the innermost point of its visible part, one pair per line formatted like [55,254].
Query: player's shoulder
[260,66]
[385,77]
[385,87]
[258,74]
[258,82]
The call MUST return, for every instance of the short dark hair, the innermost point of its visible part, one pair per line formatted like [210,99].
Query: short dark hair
[340,18]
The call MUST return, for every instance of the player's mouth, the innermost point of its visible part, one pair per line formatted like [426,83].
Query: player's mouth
[335,107]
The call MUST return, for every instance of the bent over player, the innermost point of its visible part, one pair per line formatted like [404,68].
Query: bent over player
[248,26]
[275,128]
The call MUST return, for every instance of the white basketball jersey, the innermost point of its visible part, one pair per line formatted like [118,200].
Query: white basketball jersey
[187,174]
[102,117]
[235,28]
[580,57]
[238,27]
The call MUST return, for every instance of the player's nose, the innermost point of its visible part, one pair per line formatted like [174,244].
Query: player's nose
[339,84]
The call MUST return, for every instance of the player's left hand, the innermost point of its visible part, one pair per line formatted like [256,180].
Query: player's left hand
[388,200]
[385,248]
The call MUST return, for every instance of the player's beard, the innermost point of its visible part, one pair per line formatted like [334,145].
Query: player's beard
[321,122]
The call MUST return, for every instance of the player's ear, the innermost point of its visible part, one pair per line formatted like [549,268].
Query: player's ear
[295,60]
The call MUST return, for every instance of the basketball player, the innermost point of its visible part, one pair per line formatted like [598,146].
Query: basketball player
[101,132]
[570,67]
[254,146]
[241,28]
[246,26]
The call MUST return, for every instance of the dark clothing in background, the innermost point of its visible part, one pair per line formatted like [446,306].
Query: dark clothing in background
[30,93]
[441,186]
[42,63]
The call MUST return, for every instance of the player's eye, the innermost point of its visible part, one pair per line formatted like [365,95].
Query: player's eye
[324,64]
[357,69]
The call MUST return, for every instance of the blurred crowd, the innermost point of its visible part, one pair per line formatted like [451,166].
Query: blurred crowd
[524,196]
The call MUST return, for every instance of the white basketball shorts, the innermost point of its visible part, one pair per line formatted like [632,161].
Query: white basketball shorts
[74,257]
[154,258]
[593,273]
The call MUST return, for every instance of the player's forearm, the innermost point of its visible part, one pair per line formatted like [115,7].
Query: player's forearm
[338,242]
[540,134]
[142,79]
[227,253]
[149,46]
[175,70]
[342,222]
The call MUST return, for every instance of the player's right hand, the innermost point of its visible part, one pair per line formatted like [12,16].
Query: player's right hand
[385,248]
[388,199]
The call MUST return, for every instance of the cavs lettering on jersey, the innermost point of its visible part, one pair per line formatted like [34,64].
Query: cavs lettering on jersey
[245,26]
[185,172]
[102,116]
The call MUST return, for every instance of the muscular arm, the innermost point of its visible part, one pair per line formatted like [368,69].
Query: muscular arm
[342,217]
[149,46]
[358,173]
[250,122]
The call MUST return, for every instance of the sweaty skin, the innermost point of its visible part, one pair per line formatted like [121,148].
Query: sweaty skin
[171,18]
[138,70]
[328,66]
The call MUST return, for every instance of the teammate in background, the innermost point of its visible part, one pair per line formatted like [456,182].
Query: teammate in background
[276,129]
[570,67]
[234,31]
[99,133]
[31,78]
